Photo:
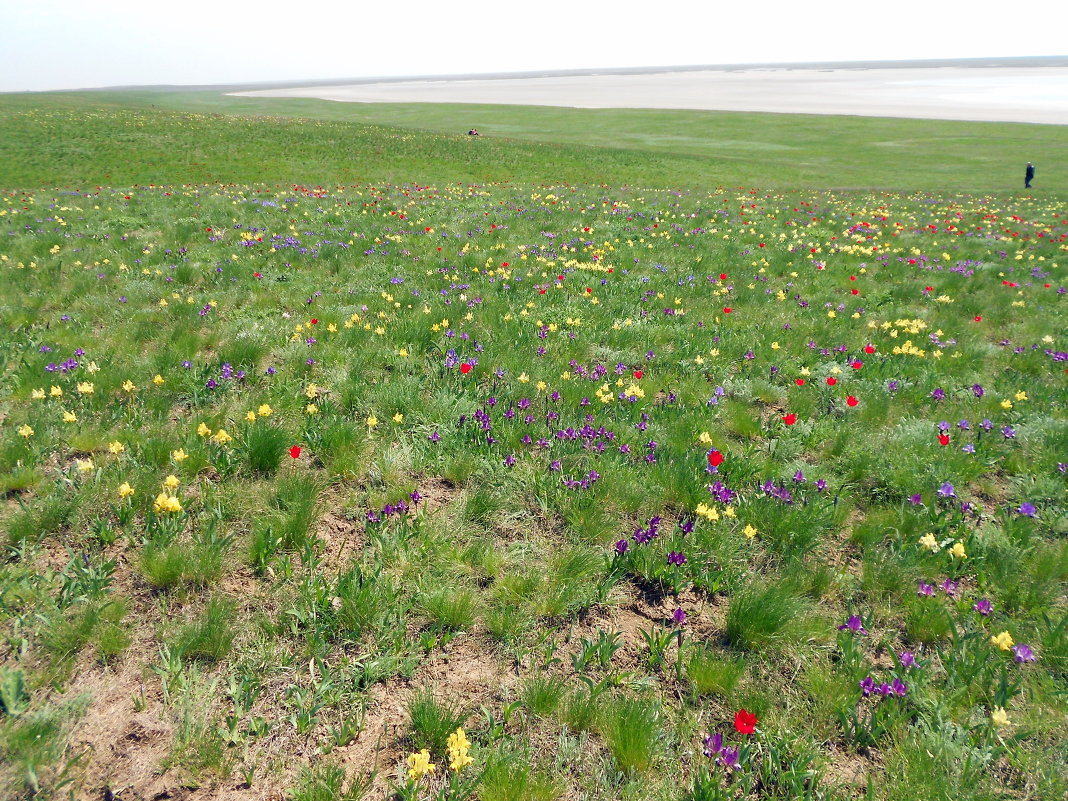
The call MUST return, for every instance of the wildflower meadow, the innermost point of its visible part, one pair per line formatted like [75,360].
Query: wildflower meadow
[410,485]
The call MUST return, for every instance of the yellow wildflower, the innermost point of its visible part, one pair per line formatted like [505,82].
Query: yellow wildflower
[398,418]
[957,551]
[125,490]
[37,394]
[999,717]
[264,410]
[419,765]
[25,431]
[704,438]
[85,388]
[179,455]
[1006,404]
[523,378]
[203,430]
[115,448]
[92,368]
[459,746]
[166,503]
[541,386]
[372,421]
[1003,641]
[1021,396]
[171,482]
[70,417]
[55,392]
[311,391]
[221,436]
[83,465]
[128,386]
[250,416]
[929,542]
[311,408]
[749,531]
[158,380]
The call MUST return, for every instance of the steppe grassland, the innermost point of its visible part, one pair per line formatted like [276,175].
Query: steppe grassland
[300,479]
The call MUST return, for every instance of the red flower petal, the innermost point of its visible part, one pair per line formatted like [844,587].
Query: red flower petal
[715,458]
[465,368]
[831,380]
[790,419]
[295,451]
[851,401]
[638,374]
[745,722]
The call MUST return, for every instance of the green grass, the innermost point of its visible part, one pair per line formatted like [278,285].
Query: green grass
[101,137]
[482,495]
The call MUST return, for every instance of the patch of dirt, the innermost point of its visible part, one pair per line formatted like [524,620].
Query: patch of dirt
[465,672]
[849,770]
[123,747]
[437,492]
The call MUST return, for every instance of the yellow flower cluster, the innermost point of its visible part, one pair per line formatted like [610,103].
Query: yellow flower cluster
[1003,641]
[166,503]
[707,512]
[459,746]
[419,765]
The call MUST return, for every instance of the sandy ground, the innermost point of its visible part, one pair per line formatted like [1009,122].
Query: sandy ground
[1002,94]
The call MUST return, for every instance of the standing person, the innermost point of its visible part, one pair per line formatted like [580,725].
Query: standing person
[1029,175]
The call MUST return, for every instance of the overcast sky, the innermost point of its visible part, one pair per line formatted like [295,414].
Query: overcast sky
[66,44]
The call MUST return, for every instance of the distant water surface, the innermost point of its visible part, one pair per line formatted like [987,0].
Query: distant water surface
[1000,93]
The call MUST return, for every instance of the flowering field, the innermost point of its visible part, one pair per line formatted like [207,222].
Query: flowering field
[521,491]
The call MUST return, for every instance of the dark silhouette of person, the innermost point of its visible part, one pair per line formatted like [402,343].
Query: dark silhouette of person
[1029,175]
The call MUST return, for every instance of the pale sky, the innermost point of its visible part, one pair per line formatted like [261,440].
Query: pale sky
[68,44]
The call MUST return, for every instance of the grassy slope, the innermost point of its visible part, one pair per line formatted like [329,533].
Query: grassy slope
[640,147]
[477,540]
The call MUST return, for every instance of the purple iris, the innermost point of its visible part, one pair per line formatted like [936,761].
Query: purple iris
[983,607]
[853,624]
[1027,509]
[1023,653]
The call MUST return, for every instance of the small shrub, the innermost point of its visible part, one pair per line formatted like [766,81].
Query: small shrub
[631,729]
[542,695]
[759,616]
[432,721]
[210,636]
[510,779]
[265,445]
[325,781]
[710,674]
[450,609]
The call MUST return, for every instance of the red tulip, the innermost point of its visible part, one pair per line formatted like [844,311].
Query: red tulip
[465,368]
[790,419]
[722,276]
[715,458]
[726,309]
[638,374]
[745,722]
[978,318]
[831,380]
[800,382]
[858,364]
[869,349]
[851,401]
[314,321]
[295,451]
[943,439]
